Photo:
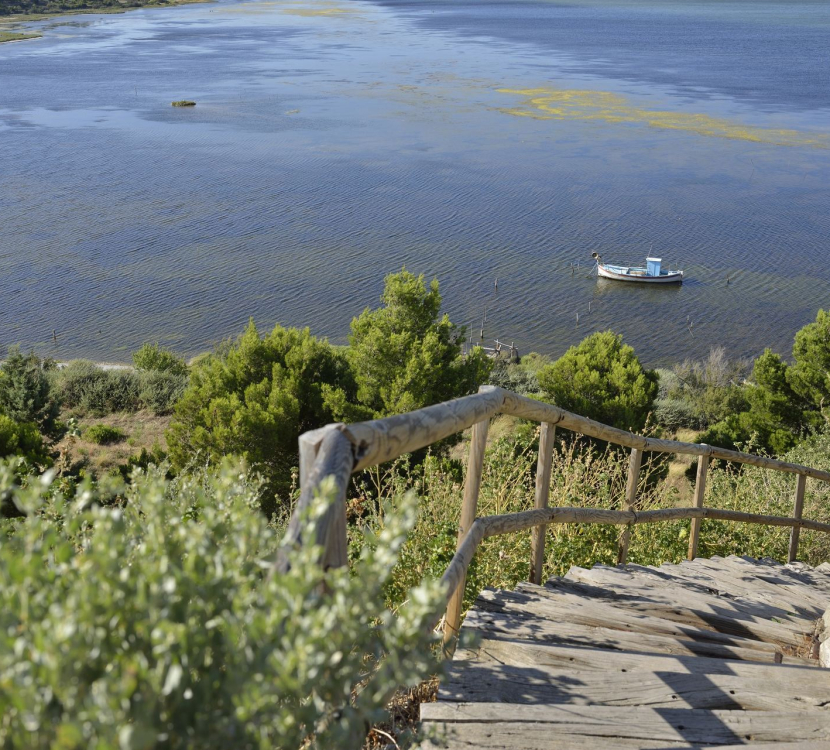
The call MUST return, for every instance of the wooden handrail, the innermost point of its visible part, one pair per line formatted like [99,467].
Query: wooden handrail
[488,526]
[382,440]
[339,450]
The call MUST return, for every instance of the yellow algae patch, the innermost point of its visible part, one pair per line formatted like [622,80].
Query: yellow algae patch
[574,104]
[333,10]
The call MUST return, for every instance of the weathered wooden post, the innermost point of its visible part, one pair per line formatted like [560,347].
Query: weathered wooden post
[472,485]
[700,491]
[800,485]
[337,543]
[543,471]
[326,452]
[630,501]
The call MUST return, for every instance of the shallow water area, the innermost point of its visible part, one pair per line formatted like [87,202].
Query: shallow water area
[334,142]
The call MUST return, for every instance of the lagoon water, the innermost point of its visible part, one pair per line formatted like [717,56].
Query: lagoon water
[473,141]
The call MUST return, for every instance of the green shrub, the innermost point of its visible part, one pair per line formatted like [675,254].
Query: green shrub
[773,417]
[809,376]
[156,624]
[22,439]
[117,391]
[255,398]
[26,393]
[84,386]
[602,379]
[784,402]
[143,460]
[154,358]
[103,434]
[160,391]
[71,381]
[519,377]
[676,412]
[708,389]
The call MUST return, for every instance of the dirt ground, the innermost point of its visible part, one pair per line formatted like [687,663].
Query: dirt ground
[142,429]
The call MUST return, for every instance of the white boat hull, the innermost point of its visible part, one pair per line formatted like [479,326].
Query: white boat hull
[639,275]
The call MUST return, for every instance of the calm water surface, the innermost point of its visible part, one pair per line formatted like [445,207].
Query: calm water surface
[473,141]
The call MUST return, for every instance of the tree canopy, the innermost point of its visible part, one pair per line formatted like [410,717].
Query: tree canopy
[25,393]
[255,400]
[809,376]
[601,378]
[783,402]
[406,355]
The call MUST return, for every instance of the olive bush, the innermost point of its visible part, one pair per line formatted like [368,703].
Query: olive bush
[85,387]
[148,616]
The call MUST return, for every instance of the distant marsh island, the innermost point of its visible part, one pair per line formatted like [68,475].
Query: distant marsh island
[15,36]
[54,7]
[14,12]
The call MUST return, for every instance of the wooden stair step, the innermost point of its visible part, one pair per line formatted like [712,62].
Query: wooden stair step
[531,726]
[792,572]
[731,586]
[560,607]
[483,680]
[765,579]
[709,653]
[567,607]
[502,741]
[535,627]
[501,648]
[803,745]
[740,574]
[688,613]
[669,591]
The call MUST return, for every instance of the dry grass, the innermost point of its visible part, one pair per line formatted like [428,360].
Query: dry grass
[404,715]
[676,477]
[501,426]
[143,429]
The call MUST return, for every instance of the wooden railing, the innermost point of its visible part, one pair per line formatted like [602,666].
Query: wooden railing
[339,450]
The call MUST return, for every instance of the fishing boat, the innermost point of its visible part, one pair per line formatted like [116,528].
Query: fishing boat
[652,273]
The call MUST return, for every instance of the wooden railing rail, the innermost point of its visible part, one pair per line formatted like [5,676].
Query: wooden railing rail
[339,450]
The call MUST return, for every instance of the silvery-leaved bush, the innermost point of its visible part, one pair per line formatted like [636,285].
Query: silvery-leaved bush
[143,616]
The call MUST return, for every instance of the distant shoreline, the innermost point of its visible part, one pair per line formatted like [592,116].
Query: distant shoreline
[101,365]
[10,23]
